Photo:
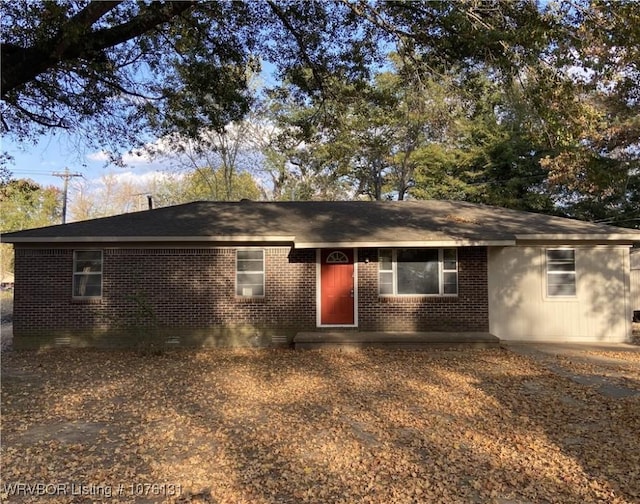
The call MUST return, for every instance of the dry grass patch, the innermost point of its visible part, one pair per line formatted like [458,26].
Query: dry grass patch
[284,426]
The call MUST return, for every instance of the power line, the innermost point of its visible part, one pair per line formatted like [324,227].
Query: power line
[31,172]
[65,175]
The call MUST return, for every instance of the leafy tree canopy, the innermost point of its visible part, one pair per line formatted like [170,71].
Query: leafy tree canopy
[113,69]
[566,73]
[26,204]
[212,184]
[545,122]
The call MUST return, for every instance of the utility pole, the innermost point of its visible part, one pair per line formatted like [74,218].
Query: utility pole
[65,175]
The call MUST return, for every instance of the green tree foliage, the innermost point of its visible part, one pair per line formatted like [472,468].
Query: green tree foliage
[212,184]
[481,149]
[24,205]
[523,106]
[456,135]
[519,103]
[348,146]
[112,69]
[224,153]
[592,113]
[113,195]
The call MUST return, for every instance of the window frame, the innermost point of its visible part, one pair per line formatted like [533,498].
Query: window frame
[394,272]
[78,274]
[263,272]
[548,272]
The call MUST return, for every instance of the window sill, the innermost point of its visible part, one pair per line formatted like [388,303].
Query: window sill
[249,300]
[418,298]
[87,301]
[556,299]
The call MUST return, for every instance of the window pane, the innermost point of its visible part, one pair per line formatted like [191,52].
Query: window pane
[418,271]
[250,290]
[250,284]
[250,260]
[561,276]
[250,265]
[450,259]
[249,254]
[561,284]
[562,290]
[450,283]
[561,266]
[88,261]
[450,289]
[87,285]
[250,278]
[386,283]
[417,255]
[384,260]
[561,255]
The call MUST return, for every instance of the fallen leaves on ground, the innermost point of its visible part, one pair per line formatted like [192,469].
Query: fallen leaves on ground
[241,426]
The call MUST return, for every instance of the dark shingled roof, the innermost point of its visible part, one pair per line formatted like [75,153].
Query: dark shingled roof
[311,223]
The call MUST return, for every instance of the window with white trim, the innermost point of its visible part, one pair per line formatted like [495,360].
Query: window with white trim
[424,271]
[561,272]
[250,273]
[87,274]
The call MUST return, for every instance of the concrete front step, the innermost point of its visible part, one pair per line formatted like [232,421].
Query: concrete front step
[404,340]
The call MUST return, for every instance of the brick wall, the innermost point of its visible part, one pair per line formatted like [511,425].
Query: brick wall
[190,289]
[469,311]
[193,291]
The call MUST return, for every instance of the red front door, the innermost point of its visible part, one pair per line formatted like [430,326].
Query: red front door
[336,287]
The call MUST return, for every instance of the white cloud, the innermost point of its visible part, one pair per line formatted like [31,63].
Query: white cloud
[170,151]
[138,160]
[136,178]
[98,156]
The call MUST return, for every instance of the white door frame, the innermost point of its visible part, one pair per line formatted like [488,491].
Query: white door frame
[319,290]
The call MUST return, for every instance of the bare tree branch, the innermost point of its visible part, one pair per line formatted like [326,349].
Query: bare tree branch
[74,41]
[301,45]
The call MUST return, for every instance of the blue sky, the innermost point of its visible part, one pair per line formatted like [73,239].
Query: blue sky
[58,150]
[55,152]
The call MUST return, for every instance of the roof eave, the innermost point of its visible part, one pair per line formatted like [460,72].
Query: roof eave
[270,239]
[151,239]
[612,238]
[405,244]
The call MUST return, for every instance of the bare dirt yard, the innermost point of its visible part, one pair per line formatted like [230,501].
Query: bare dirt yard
[233,426]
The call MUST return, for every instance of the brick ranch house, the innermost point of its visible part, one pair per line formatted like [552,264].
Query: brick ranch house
[214,273]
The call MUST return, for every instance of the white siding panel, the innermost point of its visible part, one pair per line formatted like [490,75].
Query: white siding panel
[519,308]
[635,279]
[635,290]
[634,257]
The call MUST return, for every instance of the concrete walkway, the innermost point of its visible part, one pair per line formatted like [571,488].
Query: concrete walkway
[602,357]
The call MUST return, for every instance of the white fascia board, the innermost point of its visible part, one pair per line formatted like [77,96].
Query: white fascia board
[165,239]
[561,237]
[405,244]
